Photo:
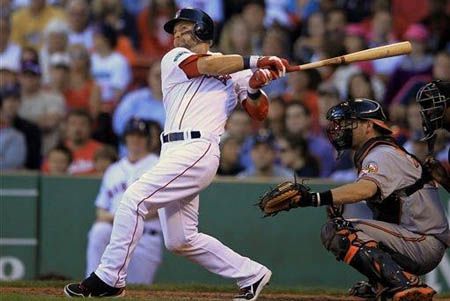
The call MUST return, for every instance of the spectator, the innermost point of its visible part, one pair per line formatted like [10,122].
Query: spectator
[59,70]
[441,67]
[109,68]
[418,62]
[328,96]
[10,96]
[78,132]
[8,73]
[155,133]
[438,25]
[28,23]
[145,103]
[354,40]
[253,13]
[103,158]
[59,159]
[235,38]
[298,124]
[239,125]
[229,157]
[154,42]
[360,86]
[111,12]
[308,47]
[81,31]
[44,108]
[295,155]
[263,154]
[275,120]
[82,91]
[55,41]
[9,52]
[12,144]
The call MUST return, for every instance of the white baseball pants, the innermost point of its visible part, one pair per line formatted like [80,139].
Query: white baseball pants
[143,265]
[173,184]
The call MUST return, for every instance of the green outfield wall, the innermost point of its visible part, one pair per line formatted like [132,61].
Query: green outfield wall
[45,220]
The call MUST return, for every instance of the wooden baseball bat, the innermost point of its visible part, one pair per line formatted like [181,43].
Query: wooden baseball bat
[363,55]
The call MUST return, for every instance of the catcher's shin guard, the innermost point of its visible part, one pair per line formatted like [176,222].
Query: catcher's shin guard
[340,238]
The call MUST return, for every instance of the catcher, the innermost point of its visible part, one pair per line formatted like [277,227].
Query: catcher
[434,100]
[409,233]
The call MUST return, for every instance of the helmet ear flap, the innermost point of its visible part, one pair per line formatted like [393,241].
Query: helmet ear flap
[201,31]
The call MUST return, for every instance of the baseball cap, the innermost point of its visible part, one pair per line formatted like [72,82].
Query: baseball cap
[60,59]
[30,66]
[416,32]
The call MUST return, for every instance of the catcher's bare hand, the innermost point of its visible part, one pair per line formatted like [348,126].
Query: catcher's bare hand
[284,197]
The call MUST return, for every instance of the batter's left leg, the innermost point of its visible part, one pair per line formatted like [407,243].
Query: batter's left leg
[179,222]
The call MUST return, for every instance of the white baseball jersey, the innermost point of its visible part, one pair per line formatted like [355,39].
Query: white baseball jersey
[185,100]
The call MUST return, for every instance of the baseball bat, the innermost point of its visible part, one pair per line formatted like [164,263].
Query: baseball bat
[363,55]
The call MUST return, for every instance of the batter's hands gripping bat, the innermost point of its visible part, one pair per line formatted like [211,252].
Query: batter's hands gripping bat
[363,55]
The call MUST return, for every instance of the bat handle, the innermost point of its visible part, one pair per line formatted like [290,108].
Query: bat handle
[292,68]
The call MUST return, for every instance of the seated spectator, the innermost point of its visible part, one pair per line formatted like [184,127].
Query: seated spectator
[229,157]
[264,157]
[30,33]
[418,62]
[103,158]
[83,148]
[239,126]
[298,124]
[82,91]
[55,41]
[81,31]
[9,53]
[310,44]
[354,40]
[253,12]
[360,86]
[109,68]
[13,147]
[145,103]
[295,155]
[328,96]
[59,159]
[276,116]
[154,42]
[11,102]
[59,70]
[234,37]
[44,108]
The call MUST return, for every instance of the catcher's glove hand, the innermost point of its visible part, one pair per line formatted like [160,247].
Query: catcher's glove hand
[437,172]
[284,197]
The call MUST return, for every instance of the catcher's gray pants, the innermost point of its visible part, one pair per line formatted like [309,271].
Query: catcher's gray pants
[424,251]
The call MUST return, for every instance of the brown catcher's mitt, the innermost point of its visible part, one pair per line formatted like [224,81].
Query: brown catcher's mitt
[283,197]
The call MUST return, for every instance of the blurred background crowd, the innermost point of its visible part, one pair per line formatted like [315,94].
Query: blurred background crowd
[73,72]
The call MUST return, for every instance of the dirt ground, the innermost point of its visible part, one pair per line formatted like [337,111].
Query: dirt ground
[177,295]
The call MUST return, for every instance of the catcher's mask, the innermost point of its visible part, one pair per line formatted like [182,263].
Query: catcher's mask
[433,99]
[344,119]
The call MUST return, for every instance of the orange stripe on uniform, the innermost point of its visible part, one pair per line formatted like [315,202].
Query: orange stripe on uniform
[350,254]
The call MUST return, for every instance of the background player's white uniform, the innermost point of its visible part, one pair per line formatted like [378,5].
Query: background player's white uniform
[148,252]
[185,168]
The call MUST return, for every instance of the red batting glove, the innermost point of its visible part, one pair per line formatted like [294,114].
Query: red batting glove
[273,63]
[261,78]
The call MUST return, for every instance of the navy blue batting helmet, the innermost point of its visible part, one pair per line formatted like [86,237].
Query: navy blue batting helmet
[203,24]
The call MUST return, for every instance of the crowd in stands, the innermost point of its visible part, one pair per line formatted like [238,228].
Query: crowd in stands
[73,72]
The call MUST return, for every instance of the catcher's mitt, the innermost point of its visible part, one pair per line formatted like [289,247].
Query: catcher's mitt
[283,197]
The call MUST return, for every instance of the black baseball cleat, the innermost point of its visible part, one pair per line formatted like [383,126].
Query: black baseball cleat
[251,292]
[92,286]
[363,289]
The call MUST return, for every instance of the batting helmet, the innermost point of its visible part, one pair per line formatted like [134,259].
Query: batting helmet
[203,24]
[137,126]
[434,99]
[342,119]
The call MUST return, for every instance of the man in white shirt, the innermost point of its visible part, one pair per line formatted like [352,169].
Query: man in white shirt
[200,89]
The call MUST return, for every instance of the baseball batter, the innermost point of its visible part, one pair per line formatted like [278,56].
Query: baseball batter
[116,179]
[200,89]
[409,232]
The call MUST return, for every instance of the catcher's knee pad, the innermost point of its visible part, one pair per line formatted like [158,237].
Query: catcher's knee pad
[339,237]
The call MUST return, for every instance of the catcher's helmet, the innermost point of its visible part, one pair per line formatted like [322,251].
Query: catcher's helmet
[342,119]
[434,99]
[203,24]
[137,126]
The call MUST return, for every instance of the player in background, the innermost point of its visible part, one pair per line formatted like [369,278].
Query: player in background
[200,89]
[434,101]
[116,179]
